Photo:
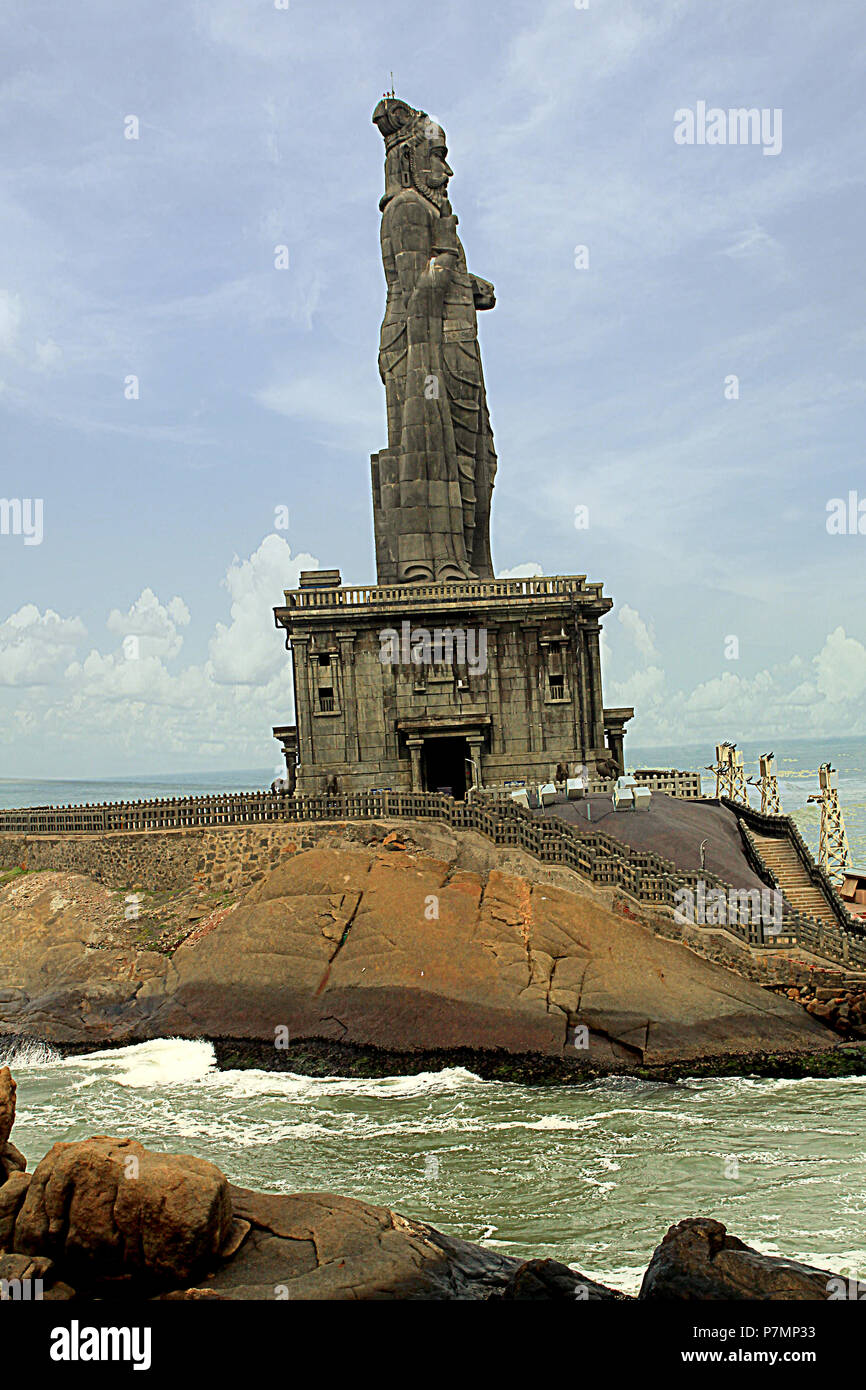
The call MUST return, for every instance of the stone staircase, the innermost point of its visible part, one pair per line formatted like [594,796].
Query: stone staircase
[782,859]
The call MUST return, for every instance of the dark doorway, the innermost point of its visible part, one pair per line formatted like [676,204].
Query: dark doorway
[445,766]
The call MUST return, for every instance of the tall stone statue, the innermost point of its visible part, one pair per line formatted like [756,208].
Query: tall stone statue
[432,486]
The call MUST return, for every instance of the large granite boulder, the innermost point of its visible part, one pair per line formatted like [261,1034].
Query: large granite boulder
[11,1159]
[104,1208]
[7,1105]
[437,942]
[316,1245]
[699,1260]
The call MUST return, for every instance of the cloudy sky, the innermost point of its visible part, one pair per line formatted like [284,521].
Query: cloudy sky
[137,635]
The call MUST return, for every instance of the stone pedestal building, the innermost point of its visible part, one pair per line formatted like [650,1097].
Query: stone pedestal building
[440,676]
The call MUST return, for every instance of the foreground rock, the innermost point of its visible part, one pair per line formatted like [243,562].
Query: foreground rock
[11,1159]
[699,1260]
[108,1205]
[390,945]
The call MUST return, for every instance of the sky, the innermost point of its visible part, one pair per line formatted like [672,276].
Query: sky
[186,420]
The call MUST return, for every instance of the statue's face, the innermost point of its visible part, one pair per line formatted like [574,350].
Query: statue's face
[437,173]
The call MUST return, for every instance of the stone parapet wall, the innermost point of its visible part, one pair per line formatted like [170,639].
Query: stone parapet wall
[228,857]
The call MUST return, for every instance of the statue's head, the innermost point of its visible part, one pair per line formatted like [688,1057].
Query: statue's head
[415,151]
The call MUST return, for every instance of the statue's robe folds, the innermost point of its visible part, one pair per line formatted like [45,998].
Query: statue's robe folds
[436,476]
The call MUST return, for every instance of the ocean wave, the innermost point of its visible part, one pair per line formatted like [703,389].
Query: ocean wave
[253,1082]
[157,1063]
[22,1053]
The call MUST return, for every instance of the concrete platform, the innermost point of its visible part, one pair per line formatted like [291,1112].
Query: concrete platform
[674,829]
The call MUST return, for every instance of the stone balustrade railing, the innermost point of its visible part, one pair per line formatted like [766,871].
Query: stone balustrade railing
[686,785]
[598,857]
[351,596]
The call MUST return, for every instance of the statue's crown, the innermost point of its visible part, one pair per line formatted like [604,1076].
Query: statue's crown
[398,121]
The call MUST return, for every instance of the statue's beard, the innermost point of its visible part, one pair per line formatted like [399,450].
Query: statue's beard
[438,195]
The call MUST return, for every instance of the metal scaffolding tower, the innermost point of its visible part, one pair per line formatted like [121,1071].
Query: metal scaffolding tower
[768,785]
[833,852]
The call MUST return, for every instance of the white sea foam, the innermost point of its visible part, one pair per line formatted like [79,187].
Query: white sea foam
[181,1061]
[22,1053]
[158,1063]
[425,1083]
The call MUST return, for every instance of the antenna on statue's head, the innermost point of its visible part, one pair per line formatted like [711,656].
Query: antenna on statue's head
[392,92]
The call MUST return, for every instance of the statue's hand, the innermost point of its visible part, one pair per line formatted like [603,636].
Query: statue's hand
[438,271]
[483,293]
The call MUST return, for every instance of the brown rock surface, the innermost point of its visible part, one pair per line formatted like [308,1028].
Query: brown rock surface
[454,945]
[106,1207]
[7,1105]
[34,1271]
[699,1260]
[12,1194]
[315,1245]
[11,1159]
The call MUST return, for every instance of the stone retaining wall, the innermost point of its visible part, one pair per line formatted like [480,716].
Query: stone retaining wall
[231,857]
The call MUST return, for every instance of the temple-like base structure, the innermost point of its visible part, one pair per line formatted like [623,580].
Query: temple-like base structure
[429,687]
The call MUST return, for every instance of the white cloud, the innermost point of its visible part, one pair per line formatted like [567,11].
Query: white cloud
[154,625]
[247,651]
[128,701]
[345,406]
[775,702]
[641,633]
[841,668]
[527,571]
[35,647]
[753,242]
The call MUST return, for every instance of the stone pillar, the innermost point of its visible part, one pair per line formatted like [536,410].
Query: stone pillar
[415,745]
[497,738]
[581,674]
[593,653]
[475,742]
[533,673]
[350,704]
[615,744]
[288,738]
[303,710]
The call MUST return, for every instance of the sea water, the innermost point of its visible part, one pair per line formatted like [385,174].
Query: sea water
[590,1174]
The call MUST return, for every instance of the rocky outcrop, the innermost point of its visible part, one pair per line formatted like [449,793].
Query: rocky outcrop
[699,1260]
[315,1245]
[109,1205]
[394,945]
[11,1159]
